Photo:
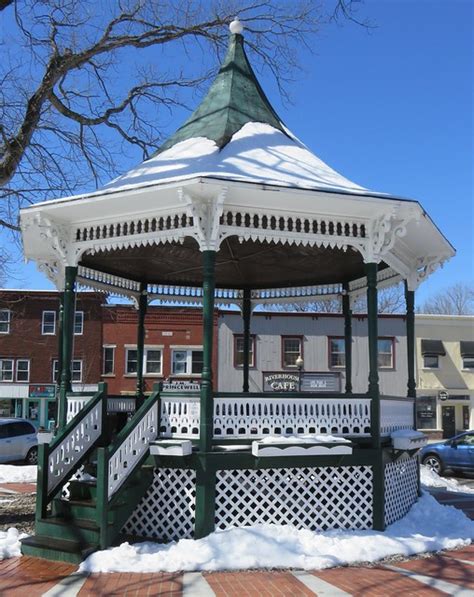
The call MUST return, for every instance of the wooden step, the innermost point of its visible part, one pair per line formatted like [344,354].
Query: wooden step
[49,548]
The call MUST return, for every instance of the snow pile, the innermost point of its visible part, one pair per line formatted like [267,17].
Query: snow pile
[303,439]
[10,543]
[9,473]
[428,526]
[431,479]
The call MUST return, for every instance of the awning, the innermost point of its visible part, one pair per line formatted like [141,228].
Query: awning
[432,347]
[467,349]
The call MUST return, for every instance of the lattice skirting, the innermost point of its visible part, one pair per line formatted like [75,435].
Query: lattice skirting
[401,487]
[166,512]
[311,498]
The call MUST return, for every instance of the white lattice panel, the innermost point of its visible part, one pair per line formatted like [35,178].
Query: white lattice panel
[395,414]
[167,510]
[311,498]
[401,487]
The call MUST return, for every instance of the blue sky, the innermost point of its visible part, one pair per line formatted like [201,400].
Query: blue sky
[391,109]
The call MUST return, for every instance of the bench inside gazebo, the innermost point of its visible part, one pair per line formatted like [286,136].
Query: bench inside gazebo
[231,209]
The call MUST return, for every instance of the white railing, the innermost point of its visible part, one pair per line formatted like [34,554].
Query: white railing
[115,404]
[258,417]
[132,449]
[395,414]
[64,457]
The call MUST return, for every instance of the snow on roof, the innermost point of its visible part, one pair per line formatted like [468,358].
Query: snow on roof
[257,153]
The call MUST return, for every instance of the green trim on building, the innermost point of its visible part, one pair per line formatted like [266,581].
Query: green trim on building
[234,99]
[67,342]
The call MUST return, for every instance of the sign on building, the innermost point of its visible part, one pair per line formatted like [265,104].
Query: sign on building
[306,381]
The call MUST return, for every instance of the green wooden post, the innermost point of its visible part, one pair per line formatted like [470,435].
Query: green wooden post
[410,325]
[346,310]
[67,341]
[142,308]
[374,394]
[246,314]
[206,426]
[57,380]
[102,496]
[206,477]
[42,481]
[378,492]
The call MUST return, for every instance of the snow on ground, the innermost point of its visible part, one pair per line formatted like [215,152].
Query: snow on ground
[10,473]
[303,439]
[10,543]
[431,479]
[428,526]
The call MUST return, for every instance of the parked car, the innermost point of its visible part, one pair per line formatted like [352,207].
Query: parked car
[18,441]
[456,454]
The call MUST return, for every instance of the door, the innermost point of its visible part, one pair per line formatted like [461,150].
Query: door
[449,423]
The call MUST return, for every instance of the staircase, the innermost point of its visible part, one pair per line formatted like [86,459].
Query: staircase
[97,508]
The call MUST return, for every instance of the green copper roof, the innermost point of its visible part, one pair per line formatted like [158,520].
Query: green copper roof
[235,98]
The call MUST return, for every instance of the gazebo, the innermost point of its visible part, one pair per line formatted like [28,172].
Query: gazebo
[233,208]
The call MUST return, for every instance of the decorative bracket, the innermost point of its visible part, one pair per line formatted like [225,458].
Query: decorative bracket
[424,268]
[206,214]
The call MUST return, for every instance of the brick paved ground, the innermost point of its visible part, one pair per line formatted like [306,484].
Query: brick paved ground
[9,488]
[441,574]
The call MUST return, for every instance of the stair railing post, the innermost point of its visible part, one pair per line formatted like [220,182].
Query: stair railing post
[42,481]
[67,341]
[102,498]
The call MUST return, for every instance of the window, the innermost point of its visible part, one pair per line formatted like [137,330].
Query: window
[6,369]
[151,361]
[430,361]
[5,316]
[48,327]
[20,428]
[337,352]
[426,412]
[23,370]
[186,362]
[239,351]
[468,363]
[108,360]
[385,353]
[291,350]
[76,371]
[78,323]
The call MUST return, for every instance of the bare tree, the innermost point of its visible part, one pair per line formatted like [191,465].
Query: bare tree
[457,299]
[83,82]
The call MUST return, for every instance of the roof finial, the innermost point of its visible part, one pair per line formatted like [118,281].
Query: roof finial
[236,27]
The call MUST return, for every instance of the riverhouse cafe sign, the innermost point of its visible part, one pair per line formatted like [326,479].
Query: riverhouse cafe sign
[307,381]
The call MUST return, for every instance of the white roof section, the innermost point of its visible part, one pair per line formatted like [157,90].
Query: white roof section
[257,153]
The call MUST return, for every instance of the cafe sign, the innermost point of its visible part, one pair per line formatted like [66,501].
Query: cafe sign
[306,381]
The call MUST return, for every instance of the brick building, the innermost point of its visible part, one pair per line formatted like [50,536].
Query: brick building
[104,349]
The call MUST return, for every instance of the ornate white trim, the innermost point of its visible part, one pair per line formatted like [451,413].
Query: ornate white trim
[206,215]
[425,266]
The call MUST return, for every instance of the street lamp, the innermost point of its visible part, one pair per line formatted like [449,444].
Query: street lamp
[299,364]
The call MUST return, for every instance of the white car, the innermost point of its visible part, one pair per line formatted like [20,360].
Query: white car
[18,441]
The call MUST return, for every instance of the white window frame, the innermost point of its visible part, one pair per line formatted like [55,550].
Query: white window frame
[431,356]
[56,363]
[27,371]
[110,347]
[237,352]
[339,353]
[12,370]
[390,339]
[55,366]
[79,315]
[7,321]
[146,349]
[471,360]
[283,340]
[189,360]
[53,333]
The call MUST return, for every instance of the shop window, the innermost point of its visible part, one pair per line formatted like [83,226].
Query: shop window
[78,323]
[465,416]
[337,352]
[468,363]
[430,361]
[386,353]
[291,349]
[48,324]
[23,370]
[426,412]
[239,351]
[5,317]
[108,360]
[186,361]
[6,369]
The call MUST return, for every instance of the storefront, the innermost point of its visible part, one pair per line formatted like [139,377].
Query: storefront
[444,414]
[36,403]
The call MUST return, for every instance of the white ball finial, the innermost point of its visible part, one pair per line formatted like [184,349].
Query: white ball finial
[236,27]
